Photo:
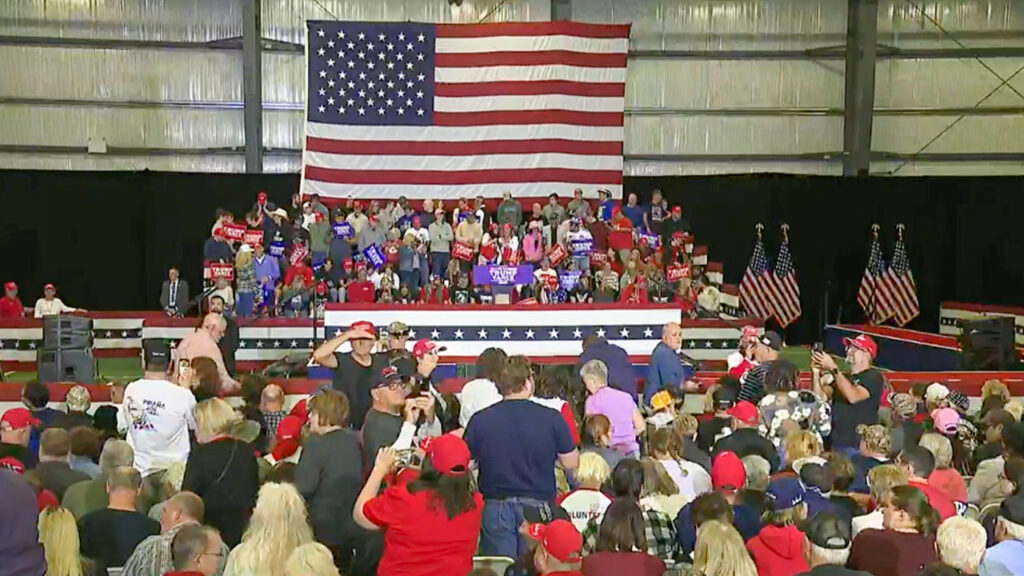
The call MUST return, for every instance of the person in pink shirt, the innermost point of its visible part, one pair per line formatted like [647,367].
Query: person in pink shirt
[203,342]
[618,406]
[533,243]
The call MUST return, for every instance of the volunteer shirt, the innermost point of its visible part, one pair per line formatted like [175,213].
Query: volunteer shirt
[583,504]
[159,416]
[846,417]
[516,444]
[420,539]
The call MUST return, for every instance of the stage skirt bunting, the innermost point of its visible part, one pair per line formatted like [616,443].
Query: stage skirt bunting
[952,313]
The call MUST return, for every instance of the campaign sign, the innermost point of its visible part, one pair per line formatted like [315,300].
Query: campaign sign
[462,251]
[503,275]
[488,251]
[653,240]
[374,256]
[556,254]
[597,259]
[582,246]
[342,230]
[299,254]
[233,232]
[569,279]
[677,272]
[277,249]
[221,270]
[253,237]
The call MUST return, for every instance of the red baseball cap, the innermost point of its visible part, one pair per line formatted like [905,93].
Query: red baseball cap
[289,437]
[560,539]
[17,418]
[49,287]
[864,342]
[677,209]
[727,472]
[448,453]
[10,286]
[13,464]
[426,346]
[744,412]
[363,325]
[299,411]
[262,196]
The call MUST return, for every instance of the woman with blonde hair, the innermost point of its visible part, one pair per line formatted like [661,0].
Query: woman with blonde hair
[222,470]
[248,295]
[944,478]
[798,445]
[58,533]
[994,394]
[881,480]
[312,559]
[588,501]
[660,491]
[720,551]
[279,526]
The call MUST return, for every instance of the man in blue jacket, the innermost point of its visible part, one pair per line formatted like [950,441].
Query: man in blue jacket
[620,370]
[666,368]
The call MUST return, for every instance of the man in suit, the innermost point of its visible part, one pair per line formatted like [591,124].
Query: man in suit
[174,293]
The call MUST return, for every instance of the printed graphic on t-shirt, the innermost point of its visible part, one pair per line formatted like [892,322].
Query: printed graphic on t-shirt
[140,412]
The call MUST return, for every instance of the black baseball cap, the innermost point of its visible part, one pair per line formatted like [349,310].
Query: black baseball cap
[156,352]
[829,530]
[772,340]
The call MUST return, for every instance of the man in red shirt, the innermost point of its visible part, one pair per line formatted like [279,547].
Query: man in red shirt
[919,463]
[361,290]
[10,304]
[559,548]
[300,268]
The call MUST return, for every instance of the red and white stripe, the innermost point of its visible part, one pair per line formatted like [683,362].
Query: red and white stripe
[784,293]
[531,108]
[873,296]
[903,295]
[754,295]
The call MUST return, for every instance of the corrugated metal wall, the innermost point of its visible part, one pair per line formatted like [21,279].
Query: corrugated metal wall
[170,103]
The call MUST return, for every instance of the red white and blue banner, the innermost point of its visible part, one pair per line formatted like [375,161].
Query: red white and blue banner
[951,314]
[543,330]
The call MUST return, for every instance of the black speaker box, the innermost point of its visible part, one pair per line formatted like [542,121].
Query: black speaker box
[63,332]
[66,366]
[987,344]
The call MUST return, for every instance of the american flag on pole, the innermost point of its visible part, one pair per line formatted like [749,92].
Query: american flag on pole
[754,288]
[873,295]
[900,283]
[783,289]
[463,110]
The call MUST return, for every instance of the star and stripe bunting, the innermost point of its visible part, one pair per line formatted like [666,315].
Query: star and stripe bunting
[538,331]
[952,314]
[463,110]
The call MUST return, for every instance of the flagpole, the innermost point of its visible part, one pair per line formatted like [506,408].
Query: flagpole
[872,301]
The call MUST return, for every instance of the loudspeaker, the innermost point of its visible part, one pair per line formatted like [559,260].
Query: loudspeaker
[66,366]
[64,332]
[987,344]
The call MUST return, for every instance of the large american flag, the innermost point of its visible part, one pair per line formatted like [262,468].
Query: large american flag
[900,283]
[873,295]
[463,110]
[754,288]
[783,289]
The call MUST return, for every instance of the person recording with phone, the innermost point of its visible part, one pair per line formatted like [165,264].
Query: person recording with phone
[398,416]
[855,397]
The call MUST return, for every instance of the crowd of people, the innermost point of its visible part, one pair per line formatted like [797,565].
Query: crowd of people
[282,260]
[529,470]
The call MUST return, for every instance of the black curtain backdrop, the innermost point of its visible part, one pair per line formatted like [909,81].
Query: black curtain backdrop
[106,239]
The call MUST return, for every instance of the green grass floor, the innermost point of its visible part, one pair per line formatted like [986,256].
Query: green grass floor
[130,369]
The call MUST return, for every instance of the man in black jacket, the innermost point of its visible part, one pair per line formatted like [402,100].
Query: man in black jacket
[745,439]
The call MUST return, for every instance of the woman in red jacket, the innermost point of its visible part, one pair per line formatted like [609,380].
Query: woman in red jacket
[778,548]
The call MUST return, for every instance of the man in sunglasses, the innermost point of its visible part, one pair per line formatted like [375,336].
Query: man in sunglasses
[397,418]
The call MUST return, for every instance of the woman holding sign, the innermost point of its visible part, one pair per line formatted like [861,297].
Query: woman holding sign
[249,295]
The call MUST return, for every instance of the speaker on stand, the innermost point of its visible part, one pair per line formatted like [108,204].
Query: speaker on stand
[66,354]
[987,344]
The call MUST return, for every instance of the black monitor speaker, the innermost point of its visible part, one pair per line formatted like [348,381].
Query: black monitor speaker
[62,331]
[66,366]
[987,344]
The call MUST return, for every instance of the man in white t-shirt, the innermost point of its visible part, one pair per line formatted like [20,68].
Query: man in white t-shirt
[159,413]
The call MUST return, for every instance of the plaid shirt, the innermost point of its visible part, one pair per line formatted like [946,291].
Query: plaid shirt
[658,528]
[152,557]
[271,420]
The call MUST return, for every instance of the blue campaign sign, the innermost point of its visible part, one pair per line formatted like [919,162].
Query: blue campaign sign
[343,230]
[277,249]
[374,256]
[582,246]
